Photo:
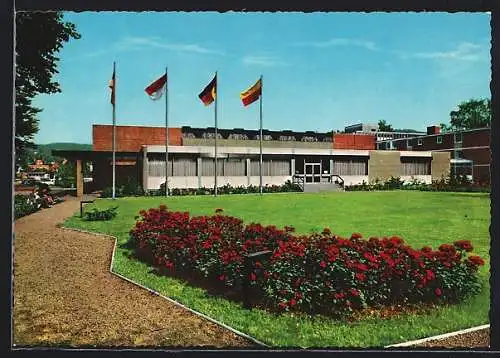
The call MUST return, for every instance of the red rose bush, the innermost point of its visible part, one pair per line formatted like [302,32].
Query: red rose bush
[320,273]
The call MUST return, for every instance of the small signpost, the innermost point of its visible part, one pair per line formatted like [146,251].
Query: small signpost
[81,205]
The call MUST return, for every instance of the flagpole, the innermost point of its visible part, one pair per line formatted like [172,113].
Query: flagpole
[260,136]
[166,132]
[215,146]
[114,131]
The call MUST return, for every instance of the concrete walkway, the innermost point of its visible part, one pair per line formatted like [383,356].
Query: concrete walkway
[64,294]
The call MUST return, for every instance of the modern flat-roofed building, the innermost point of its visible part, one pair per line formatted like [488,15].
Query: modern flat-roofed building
[469,149]
[315,159]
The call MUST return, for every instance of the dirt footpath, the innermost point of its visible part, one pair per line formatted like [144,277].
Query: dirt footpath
[64,294]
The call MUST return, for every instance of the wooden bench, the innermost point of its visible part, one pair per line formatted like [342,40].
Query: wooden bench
[84,202]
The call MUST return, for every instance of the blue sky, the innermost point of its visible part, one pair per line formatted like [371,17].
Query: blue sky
[322,71]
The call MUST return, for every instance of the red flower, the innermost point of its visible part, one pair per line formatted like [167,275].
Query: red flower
[438,292]
[360,276]
[463,245]
[396,240]
[429,275]
[356,235]
[322,264]
[206,244]
[354,292]
[292,302]
[221,277]
[369,257]
[253,277]
[282,305]
[475,261]
[362,267]
[426,249]
[339,295]
[447,248]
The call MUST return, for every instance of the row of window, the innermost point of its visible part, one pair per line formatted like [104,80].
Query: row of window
[225,167]
[237,167]
[439,140]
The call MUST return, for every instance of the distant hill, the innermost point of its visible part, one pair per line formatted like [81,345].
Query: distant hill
[44,151]
[65,146]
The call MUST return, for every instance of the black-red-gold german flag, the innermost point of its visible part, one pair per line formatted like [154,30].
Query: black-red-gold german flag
[112,85]
[252,94]
[209,93]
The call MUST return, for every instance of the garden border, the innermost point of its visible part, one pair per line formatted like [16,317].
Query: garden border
[159,294]
[438,337]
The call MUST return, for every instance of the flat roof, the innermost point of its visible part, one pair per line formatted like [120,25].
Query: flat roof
[224,151]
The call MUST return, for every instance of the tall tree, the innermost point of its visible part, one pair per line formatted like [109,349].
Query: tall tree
[474,113]
[383,126]
[39,37]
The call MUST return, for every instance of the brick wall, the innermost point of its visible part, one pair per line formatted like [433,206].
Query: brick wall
[354,141]
[130,138]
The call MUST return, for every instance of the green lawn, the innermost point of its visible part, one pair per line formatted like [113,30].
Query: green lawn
[421,218]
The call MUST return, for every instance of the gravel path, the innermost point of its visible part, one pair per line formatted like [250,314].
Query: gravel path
[476,339]
[64,294]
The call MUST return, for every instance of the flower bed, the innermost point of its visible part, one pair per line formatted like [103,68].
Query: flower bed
[136,190]
[454,184]
[320,273]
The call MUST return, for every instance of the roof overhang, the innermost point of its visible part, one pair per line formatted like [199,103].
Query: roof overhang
[88,154]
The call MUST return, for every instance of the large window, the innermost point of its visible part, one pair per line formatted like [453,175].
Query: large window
[234,167]
[176,166]
[156,168]
[350,166]
[270,167]
[415,166]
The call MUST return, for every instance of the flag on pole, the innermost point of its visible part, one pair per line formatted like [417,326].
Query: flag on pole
[111,85]
[252,94]
[209,93]
[156,89]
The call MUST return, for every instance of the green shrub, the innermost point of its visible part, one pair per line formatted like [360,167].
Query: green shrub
[100,214]
[24,205]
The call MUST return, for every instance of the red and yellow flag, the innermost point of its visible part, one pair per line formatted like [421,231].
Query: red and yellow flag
[252,94]
[209,93]
[112,85]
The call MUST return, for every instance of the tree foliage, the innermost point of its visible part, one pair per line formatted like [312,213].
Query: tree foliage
[383,126]
[39,37]
[471,114]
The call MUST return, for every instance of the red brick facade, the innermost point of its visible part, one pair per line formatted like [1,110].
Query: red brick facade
[131,138]
[354,141]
